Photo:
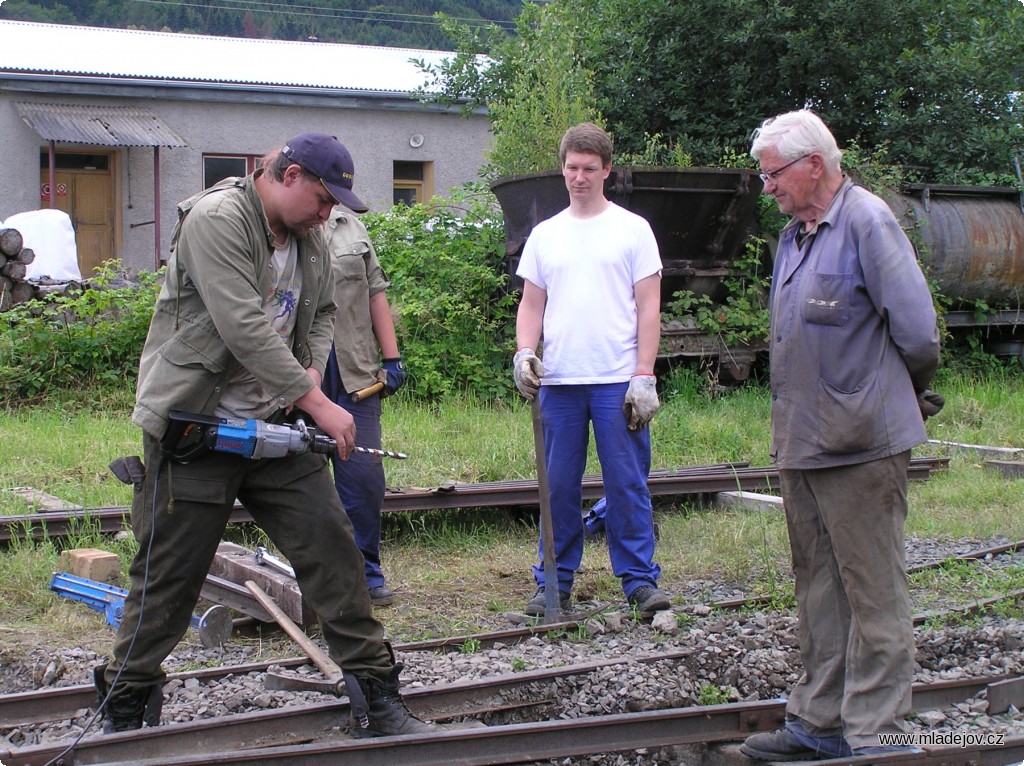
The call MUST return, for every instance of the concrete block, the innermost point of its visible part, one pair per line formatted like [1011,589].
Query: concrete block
[980,450]
[1011,469]
[747,501]
[92,564]
[43,502]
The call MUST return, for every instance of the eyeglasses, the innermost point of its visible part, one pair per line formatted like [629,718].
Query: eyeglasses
[773,175]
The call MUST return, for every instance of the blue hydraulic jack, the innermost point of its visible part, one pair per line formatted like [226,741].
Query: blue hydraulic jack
[214,626]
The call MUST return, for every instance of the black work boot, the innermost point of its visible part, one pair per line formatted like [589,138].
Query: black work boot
[127,711]
[381,711]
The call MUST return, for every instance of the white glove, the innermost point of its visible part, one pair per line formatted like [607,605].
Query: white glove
[527,370]
[641,401]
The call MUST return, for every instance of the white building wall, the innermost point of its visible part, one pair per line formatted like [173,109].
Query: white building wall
[19,177]
[376,137]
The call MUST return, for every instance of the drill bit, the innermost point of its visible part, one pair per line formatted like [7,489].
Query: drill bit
[382,453]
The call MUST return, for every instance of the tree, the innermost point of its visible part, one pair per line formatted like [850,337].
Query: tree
[534,85]
[937,85]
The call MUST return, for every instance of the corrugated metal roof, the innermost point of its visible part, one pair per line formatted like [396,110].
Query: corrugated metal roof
[99,125]
[124,53]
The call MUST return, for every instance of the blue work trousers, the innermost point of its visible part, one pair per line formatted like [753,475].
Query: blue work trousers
[625,456]
[360,479]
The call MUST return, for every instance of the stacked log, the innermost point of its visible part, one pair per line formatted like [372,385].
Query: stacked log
[14,261]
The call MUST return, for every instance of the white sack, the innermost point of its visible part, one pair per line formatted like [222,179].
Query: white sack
[50,235]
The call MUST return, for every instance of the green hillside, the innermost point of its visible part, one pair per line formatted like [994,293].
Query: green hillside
[397,23]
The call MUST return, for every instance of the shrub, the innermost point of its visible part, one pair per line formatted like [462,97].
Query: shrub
[62,342]
[452,311]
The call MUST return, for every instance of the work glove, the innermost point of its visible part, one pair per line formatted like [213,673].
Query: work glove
[527,370]
[641,401]
[394,375]
[930,403]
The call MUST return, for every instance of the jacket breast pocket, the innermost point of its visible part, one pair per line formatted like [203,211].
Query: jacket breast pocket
[827,299]
[196,349]
[350,262]
[850,421]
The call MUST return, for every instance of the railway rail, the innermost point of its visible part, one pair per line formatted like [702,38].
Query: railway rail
[699,480]
[63,702]
[311,734]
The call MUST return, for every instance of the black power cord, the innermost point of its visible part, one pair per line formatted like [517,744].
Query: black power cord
[142,609]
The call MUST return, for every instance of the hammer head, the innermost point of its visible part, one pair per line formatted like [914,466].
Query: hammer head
[279,681]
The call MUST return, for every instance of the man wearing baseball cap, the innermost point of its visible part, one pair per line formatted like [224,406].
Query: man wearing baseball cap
[326,157]
[242,329]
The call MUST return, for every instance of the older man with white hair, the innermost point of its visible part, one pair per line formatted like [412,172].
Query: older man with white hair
[854,346]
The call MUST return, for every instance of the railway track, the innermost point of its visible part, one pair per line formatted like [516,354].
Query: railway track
[63,702]
[699,480]
[312,734]
[978,606]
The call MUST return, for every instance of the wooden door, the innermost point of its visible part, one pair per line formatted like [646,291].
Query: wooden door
[87,196]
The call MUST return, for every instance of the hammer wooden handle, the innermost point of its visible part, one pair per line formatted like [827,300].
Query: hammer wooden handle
[327,666]
[363,393]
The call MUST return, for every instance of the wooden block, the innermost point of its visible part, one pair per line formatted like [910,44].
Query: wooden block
[1011,469]
[747,501]
[238,564]
[92,564]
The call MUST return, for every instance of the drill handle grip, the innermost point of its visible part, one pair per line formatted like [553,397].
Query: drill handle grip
[184,438]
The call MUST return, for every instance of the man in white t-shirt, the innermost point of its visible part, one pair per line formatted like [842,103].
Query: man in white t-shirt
[592,286]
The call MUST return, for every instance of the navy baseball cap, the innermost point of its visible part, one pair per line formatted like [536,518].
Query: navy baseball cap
[327,158]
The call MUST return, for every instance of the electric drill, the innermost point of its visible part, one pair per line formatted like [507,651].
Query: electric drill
[189,435]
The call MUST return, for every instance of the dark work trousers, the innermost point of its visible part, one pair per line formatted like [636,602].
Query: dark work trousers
[293,501]
[360,479]
[856,631]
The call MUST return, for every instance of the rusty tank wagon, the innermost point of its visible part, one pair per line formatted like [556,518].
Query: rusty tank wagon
[970,240]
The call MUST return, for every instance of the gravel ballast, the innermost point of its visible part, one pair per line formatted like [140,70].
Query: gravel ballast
[725,656]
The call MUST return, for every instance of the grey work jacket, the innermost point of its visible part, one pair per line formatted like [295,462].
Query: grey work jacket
[209,320]
[853,338]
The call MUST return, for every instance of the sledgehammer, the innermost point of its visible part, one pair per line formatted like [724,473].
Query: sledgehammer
[335,681]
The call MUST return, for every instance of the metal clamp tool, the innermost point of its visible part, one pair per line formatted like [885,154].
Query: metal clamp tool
[214,625]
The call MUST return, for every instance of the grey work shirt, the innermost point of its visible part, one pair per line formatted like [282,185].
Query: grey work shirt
[853,338]
[358,276]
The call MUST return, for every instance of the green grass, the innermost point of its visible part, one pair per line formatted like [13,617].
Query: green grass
[64,449]
[457,571]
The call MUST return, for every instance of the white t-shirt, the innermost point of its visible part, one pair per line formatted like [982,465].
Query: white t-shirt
[588,267]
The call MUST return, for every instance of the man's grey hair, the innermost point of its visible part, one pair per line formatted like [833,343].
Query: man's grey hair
[796,134]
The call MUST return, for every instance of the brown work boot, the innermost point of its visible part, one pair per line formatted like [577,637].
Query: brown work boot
[382,712]
[129,710]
